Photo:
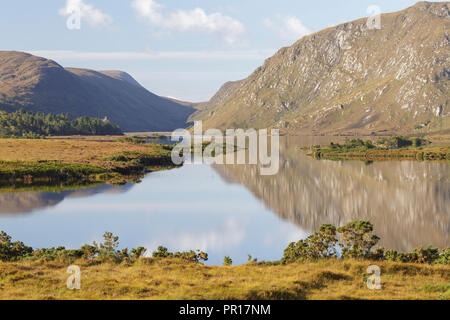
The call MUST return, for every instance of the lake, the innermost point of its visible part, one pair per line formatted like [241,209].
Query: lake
[230,210]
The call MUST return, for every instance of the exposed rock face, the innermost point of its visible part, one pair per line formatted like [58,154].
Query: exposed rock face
[38,84]
[352,79]
[408,202]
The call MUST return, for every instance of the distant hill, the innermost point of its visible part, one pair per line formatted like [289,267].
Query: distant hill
[350,79]
[41,85]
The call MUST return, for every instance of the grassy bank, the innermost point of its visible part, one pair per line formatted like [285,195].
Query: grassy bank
[156,278]
[26,162]
[394,148]
[309,269]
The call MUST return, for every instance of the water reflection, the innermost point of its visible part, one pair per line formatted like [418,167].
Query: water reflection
[182,209]
[29,201]
[232,210]
[408,202]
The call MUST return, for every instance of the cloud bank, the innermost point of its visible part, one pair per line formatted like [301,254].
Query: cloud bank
[155,55]
[197,20]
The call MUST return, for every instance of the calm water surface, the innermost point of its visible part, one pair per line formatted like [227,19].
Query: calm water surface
[232,210]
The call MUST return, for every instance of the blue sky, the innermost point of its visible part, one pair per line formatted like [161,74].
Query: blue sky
[183,49]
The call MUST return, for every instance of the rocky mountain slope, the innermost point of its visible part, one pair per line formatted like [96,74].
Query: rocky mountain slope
[39,84]
[205,109]
[351,79]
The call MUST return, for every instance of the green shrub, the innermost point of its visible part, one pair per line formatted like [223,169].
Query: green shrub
[89,252]
[162,252]
[117,158]
[12,251]
[418,142]
[426,255]
[321,244]
[357,239]
[134,139]
[191,255]
[60,253]
[227,261]
[138,253]
[107,250]
[444,256]
[391,255]
[401,142]
[420,156]
[378,254]
[368,144]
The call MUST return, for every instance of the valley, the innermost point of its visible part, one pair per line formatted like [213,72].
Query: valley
[344,183]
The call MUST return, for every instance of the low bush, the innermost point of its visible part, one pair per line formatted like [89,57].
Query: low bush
[191,255]
[321,244]
[227,262]
[12,251]
[420,156]
[356,240]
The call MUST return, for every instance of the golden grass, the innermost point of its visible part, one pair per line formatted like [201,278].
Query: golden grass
[174,279]
[79,159]
[87,151]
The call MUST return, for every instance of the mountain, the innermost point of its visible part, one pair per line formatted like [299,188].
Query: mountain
[350,79]
[120,75]
[39,84]
[205,109]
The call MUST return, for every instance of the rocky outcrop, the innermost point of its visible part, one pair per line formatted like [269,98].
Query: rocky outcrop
[352,79]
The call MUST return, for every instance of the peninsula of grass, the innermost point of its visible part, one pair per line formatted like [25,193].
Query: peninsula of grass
[393,148]
[309,269]
[27,162]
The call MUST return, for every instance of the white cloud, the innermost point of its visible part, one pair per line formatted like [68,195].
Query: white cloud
[288,28]
[230,235]
[196,20]
[88,12]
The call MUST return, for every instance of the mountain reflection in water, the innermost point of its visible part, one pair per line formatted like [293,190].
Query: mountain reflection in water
[29,201]
[408,202]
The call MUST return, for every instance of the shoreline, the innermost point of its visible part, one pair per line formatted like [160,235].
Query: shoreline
[71,161]
[411,149]
[309,270]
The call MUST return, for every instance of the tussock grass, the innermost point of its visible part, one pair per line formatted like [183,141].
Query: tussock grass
[151,278]
[34,161]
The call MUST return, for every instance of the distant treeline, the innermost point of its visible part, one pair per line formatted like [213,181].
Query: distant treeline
[25,124]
